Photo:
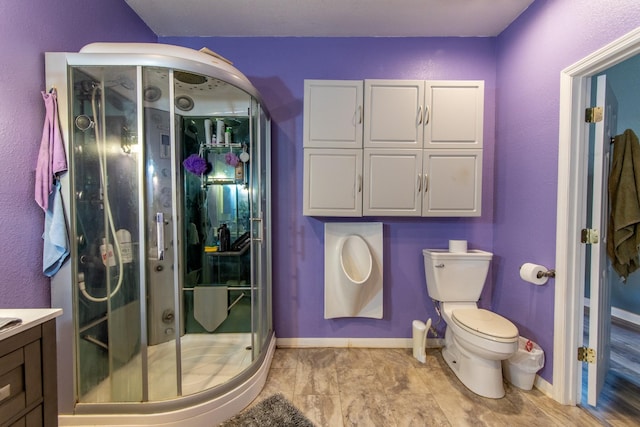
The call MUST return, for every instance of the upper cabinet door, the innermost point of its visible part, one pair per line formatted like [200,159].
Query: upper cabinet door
[332,114]
[394,113]
[454,114]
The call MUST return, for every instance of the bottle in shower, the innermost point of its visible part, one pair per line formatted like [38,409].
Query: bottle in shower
[224,237]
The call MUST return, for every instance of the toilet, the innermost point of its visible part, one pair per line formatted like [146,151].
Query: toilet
[476,340]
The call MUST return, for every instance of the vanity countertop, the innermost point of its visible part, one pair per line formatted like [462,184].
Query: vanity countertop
[30,317]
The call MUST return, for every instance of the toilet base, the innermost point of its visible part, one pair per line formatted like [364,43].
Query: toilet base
[481,376]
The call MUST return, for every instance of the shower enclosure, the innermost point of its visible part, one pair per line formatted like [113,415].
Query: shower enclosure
[167,293]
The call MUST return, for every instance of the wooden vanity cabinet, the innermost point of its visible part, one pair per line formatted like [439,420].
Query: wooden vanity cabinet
[28,385]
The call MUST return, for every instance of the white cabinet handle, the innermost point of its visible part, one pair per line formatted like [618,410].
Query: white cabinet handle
[426,114]
[359,183]
[359,114]
[426,182]
[420,115]
[419,182]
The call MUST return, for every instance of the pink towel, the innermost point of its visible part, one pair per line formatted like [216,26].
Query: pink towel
[51,158]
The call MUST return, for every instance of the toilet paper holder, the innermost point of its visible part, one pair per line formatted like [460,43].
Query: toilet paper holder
[549,273]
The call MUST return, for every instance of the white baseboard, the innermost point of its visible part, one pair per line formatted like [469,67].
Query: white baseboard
[544,386]
[355,342]
[619,313]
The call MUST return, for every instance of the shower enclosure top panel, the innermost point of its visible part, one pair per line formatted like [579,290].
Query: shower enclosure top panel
[163,55]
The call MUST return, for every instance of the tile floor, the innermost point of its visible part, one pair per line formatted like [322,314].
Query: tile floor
[388,387]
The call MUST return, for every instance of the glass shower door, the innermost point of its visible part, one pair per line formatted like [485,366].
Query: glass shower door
[160,224]
[105,215]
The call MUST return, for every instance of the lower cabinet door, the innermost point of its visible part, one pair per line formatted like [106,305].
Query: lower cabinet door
[452,182]
[332,182]
[393,182]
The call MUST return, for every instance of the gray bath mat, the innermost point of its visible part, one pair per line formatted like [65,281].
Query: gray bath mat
[274,411]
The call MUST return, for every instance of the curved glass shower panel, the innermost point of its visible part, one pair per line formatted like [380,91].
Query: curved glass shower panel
[105,186]
[215,139]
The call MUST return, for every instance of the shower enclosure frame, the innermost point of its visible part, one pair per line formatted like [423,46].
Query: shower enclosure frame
[216,403]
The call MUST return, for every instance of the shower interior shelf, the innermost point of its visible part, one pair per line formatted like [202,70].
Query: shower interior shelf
[222,173]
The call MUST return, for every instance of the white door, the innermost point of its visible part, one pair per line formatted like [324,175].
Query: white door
[600,290]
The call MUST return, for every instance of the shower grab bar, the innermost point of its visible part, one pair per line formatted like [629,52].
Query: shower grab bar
[160,234]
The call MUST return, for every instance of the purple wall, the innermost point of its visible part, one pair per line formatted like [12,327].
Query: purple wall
[548,37]
[28,28]
[518,223]
[278,67]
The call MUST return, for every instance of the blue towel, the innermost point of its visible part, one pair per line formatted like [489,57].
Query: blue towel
[56,239]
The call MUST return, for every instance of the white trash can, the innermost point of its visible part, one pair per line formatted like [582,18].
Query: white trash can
[520,369]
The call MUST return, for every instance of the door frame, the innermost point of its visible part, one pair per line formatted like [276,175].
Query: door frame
[573,152]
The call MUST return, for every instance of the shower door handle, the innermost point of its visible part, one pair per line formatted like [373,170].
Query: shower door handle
[160,234]
[259,221]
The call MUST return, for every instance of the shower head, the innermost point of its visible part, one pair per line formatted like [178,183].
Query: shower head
[189,78]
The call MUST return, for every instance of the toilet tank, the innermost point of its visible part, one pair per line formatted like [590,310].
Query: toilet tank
[455,277]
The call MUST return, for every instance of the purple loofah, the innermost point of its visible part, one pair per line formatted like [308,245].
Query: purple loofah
[195,164]
[231,159]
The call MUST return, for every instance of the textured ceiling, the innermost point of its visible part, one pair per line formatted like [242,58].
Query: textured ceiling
[328,18]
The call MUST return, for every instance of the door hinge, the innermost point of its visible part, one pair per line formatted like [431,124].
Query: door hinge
[593,114]
[589,236]
[586,354]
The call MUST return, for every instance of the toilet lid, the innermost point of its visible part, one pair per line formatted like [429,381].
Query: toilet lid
[484,322]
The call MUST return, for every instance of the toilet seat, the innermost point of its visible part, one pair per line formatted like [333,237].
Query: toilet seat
[485,324]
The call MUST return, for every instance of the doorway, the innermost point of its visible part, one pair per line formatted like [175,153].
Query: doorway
[573,172]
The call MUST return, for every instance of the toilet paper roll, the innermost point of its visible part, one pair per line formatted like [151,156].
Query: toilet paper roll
[458,246]
[529,273]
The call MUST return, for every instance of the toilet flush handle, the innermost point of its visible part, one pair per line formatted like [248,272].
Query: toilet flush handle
[439,265]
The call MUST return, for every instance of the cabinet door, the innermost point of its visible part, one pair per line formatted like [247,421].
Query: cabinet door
[392,182]
[454,114]
[332,182]
[393,113]
[452,182]
[332,114]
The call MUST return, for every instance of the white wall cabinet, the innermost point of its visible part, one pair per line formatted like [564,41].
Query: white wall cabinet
[421,145]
